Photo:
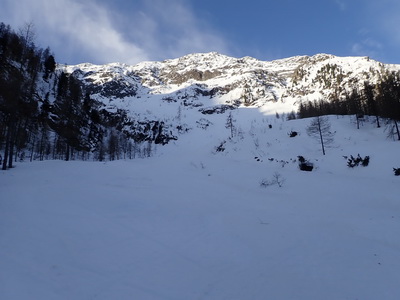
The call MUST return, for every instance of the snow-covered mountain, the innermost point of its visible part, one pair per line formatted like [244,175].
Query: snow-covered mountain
[158,101]
[233,81]
[224,212]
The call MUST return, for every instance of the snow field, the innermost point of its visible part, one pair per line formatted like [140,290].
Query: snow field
[192,223]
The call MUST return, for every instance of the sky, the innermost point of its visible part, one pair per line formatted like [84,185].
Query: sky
[131,31]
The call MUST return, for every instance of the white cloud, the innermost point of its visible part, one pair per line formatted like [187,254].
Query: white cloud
[384,17]
[75,29]
[79,31]
[373,44]
[171,29]
[341,4]
[391,25]
[380,35]
[367,47]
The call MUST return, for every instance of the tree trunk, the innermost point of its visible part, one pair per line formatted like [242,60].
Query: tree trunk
[33,148]
[320,136]
[67,154]
[54,146]
[9,147]
[397,129]
[11,151]
[6,149]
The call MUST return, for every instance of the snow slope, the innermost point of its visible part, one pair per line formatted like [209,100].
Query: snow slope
[227,80]
[193,223]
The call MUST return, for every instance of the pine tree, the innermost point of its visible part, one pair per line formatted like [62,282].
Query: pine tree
[372,107]
[230,124]
[355,105]
[49,65]
[69,120]
[388,97]
[19,68]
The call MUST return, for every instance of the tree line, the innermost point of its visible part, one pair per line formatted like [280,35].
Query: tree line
[381,100]
[21,64]
[46,113]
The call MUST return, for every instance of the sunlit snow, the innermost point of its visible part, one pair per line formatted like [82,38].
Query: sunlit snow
[193,223]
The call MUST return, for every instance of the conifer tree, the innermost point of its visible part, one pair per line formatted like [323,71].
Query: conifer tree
[372,107]
[230,124]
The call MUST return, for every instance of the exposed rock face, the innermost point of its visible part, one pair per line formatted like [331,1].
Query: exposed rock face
[227,79]
[149,99]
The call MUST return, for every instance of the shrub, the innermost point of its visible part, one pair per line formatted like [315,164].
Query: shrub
[396,171]
[365,161]
[221,147]
[276,179]
[305,165]
[355,162]
[291,116]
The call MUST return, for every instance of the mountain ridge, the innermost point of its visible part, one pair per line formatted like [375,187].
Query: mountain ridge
[87,111]
[250,81]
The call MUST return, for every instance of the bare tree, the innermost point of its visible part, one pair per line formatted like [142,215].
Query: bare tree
[230,124]
[28,33]
[277,178]
[320,128]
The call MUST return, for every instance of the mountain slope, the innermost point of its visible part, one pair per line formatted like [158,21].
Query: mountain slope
[175,96]
[116,110]
[194,223]
[247,81]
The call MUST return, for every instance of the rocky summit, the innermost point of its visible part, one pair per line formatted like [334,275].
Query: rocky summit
[232,81]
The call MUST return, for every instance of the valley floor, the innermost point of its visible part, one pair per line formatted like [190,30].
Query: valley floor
[199,226]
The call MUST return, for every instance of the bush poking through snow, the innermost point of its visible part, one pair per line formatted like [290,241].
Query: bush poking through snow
[277,179]
[203,123]
[293,134]
[221,147]
[365,161]
[355,162]
[305,165]
[396,171]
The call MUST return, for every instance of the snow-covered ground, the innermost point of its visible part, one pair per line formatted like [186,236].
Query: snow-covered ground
[193,223]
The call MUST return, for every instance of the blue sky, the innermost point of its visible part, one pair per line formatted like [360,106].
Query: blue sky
[130,31]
